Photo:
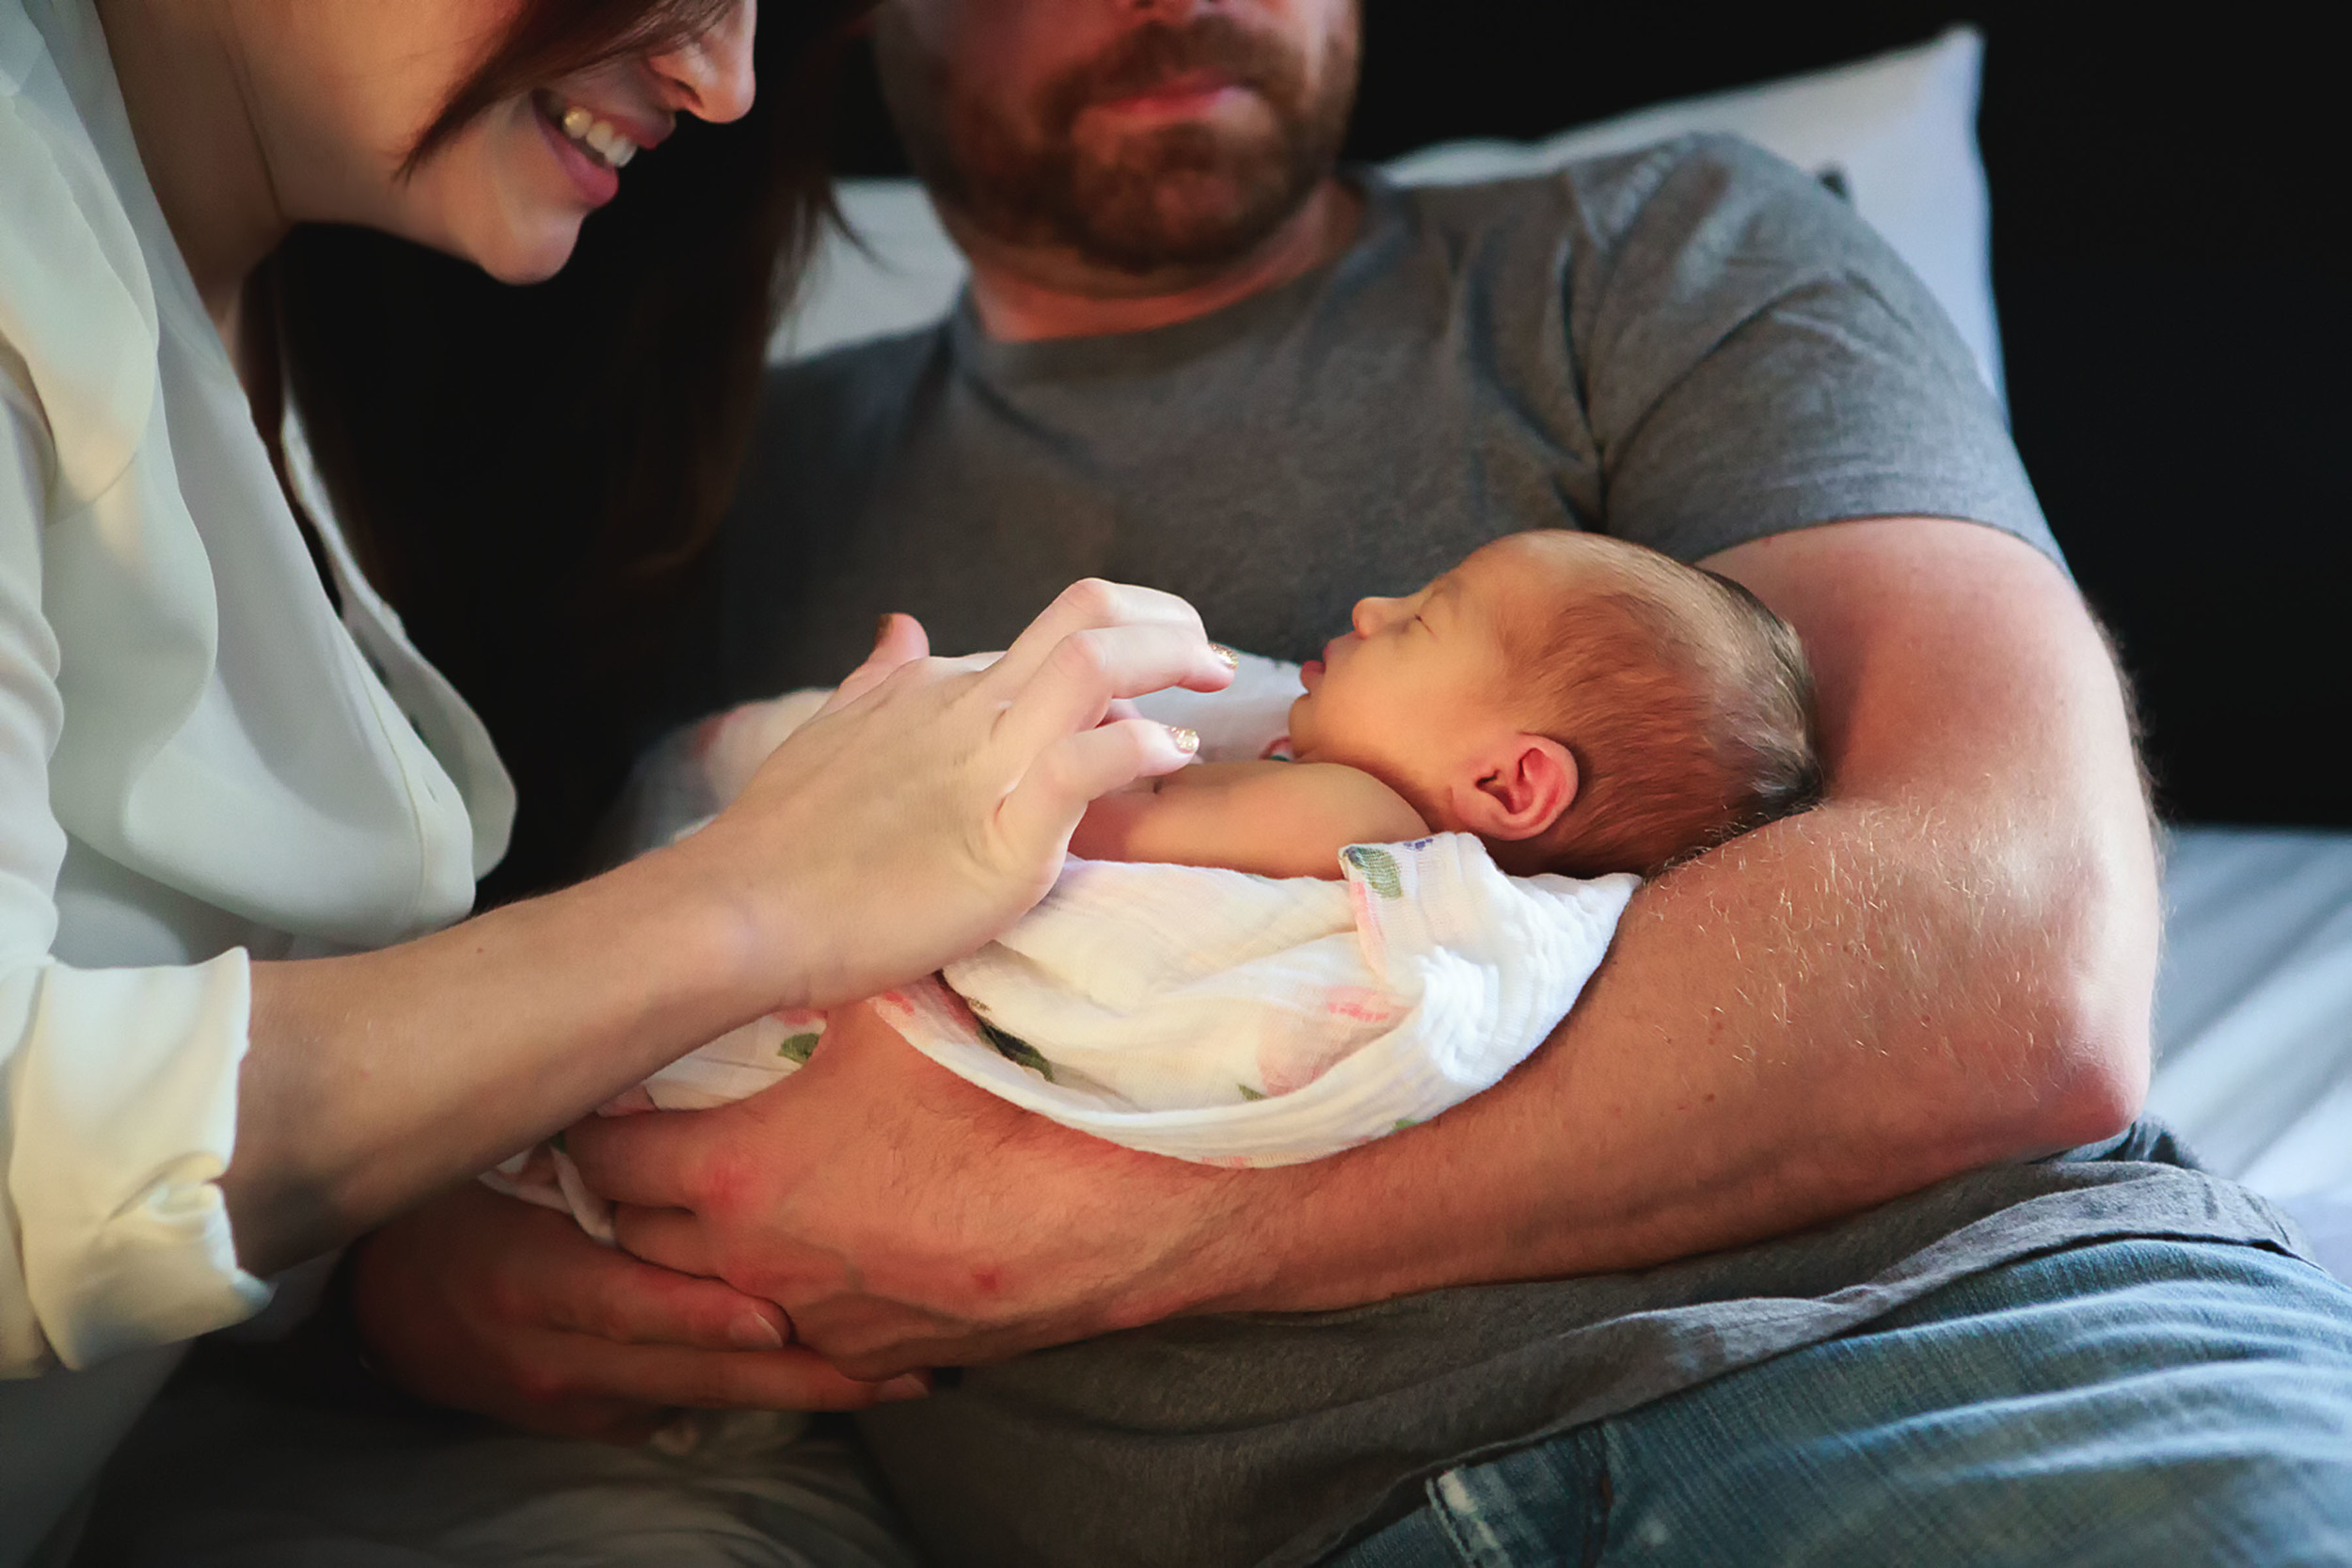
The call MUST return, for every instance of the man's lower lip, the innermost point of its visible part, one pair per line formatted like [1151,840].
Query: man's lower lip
[596,182]
[1171,101]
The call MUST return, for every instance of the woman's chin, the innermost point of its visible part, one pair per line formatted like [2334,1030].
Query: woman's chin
[530,255]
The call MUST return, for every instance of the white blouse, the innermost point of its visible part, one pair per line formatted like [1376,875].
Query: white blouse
[200,763]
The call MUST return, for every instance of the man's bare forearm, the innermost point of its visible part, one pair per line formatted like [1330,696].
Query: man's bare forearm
[1947,965]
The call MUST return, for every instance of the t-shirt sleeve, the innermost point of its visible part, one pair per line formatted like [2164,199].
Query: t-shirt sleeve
[1754,358]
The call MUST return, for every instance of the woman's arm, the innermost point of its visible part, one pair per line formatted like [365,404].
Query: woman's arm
[1274,818]
[923,812]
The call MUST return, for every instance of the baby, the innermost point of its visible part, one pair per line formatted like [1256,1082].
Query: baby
[1580,703]
[1579,706]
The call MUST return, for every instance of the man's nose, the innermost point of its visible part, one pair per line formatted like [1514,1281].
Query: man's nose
[709,75]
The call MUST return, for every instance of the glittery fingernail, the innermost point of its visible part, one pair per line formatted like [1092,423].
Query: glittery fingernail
[1225,656]
[1187,741]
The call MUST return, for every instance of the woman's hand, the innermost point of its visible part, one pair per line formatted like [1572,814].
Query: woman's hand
[929,806]
[915,819]
[485,1304]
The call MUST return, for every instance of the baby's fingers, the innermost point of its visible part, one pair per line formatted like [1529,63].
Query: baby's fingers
[1053,794]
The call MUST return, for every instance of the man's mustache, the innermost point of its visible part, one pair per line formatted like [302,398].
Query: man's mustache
[1157,52]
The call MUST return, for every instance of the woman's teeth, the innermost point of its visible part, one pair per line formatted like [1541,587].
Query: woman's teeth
[597,136]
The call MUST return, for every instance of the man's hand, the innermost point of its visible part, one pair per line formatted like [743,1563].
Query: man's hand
[482,1302]
[905,1218]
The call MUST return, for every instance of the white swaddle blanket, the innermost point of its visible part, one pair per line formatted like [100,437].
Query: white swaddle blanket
[1209,1015]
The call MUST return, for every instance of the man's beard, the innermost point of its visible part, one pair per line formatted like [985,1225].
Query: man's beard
[1184,197]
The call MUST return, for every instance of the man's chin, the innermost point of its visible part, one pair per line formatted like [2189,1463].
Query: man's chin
[1185,219]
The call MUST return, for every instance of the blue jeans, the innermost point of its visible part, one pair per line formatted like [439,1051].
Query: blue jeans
[2133,1402]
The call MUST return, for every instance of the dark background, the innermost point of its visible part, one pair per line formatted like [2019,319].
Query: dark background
[2176,327]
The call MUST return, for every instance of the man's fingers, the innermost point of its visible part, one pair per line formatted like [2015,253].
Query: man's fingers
[638,1304]
[789,1379]
[1053,792]
[658,1159]
[672,1238]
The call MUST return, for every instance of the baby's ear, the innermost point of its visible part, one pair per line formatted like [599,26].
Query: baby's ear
[1521,787]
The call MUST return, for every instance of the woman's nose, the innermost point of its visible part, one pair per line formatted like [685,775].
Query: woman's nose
[709,75]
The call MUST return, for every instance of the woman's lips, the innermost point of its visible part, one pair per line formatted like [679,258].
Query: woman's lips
[596,182]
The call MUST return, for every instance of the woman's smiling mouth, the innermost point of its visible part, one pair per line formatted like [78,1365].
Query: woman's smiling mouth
[592,147]
[601,139]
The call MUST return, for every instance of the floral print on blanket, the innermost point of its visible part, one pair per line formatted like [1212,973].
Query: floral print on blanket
[1377,867]
[1015,1050]
[802,1028]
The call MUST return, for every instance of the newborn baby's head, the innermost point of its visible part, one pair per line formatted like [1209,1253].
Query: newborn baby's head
[1580,704]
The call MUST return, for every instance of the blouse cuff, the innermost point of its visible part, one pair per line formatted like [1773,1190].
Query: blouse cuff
[125,1113]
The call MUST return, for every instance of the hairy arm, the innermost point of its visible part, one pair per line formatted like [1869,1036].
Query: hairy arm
[1274,818]
[1947,964]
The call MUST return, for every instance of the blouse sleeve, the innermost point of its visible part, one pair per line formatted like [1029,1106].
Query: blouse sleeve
[117,1086]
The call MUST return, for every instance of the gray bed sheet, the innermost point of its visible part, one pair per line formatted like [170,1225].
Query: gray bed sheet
[2254,1017]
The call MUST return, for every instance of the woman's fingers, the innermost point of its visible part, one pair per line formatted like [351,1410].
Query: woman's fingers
[1089,670]
[1095,605]
[1054,793]
[899,640]
[869,847]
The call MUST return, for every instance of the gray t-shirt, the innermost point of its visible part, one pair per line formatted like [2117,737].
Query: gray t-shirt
[1692,347]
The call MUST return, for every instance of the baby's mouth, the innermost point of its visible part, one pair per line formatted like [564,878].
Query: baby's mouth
[599,139]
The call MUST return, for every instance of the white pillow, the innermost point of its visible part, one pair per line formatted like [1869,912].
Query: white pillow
[1897,133]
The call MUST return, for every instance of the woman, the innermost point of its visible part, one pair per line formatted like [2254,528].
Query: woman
[238,1025]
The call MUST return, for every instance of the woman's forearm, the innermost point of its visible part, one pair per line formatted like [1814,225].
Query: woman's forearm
[377,1078]
[926,809]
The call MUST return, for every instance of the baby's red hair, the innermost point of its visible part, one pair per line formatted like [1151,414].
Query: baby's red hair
[1687,704]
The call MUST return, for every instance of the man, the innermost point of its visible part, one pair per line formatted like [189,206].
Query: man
[1792,1271]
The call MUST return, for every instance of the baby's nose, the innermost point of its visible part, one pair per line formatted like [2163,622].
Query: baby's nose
[1371,615]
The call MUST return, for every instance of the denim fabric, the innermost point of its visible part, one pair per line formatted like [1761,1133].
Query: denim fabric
[2137,1403]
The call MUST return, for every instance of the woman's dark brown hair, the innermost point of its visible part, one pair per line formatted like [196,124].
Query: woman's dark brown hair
[528,474]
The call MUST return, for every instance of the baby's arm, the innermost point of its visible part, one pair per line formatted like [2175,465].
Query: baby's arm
[1275,818]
